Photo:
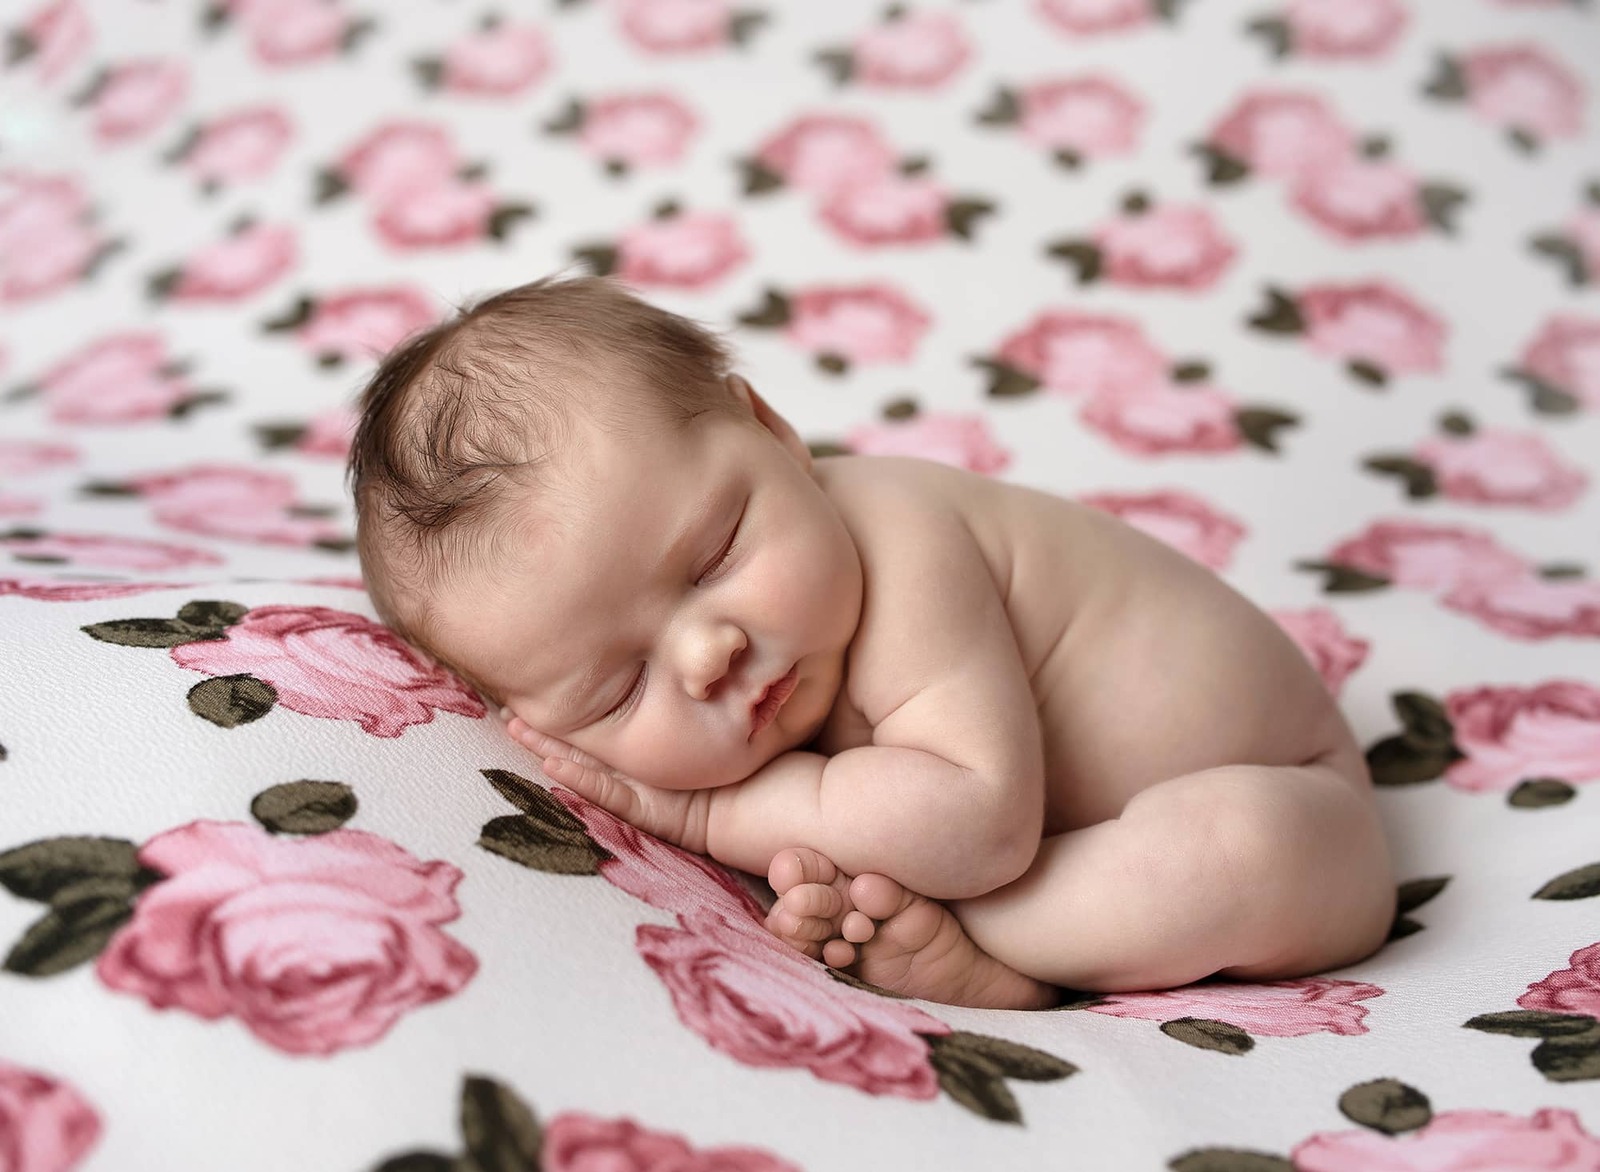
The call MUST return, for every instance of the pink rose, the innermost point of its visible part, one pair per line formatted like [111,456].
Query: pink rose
[1283,133]
[47,237]
[821,152]
[329,434]
[1185,522]
[1324,642]
[1523,88]
[1566,355]
[1575,989]
[691,250]
[359,325]
[763,1004]
[1513,734]
[1549,1140]
[862,323]
[1087,17]
[1091,116]
[1072,353]
[436,217]
[1169,247]
[98,552]
[120,378]
[1362,199]
[138,97]
[1345,28]
[1532,607]
[19,506]
[1493,466]
[246,144]
[1424,556]
[1271,1009]
[315,944]
[676,26]
[397,157]
[921,50]
[242,504]
[60,35]
[1583,230]
[335,665]
[290,32]
[45,1124]
[1372,322]
[499,61]
[638,130]
[894,209]
[50,590]
[204,485]
[238,266]
[26,457]
[1160,420]
[963,441]
[574,1142]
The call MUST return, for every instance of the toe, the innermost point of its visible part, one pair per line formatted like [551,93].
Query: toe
[857,928]
[877,896]
[813,899]
[800,864]
[838,953]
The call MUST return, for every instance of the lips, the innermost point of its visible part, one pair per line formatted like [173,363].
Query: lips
[771,699]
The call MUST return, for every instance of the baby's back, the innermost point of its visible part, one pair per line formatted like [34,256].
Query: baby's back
[1143,664]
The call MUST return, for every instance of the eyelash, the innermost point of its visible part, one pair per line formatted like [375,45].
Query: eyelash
[621,705]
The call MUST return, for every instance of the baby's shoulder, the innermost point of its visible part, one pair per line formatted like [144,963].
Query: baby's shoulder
[866,488]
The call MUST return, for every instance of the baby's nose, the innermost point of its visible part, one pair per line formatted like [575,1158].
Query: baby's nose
[720,650]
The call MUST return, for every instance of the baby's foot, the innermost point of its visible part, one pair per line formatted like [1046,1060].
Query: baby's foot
[814,906]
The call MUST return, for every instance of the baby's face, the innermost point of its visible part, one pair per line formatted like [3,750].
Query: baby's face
[679,604]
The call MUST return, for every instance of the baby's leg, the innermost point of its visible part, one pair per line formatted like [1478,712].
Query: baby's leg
[1251,871]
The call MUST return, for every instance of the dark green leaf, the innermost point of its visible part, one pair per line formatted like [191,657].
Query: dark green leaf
[304,807]
[839,64]
[743,24]
[1079,998]
[1441,201]
[759,178]
[1338,579]
[229,701]
[532,798]
[821,448]
[292,318]
[148,632]
[1402,927]
[1366,372]
[1003,109]
[530,843]
[775,311]
[67,935]
[1008,1059]
[1375,146]
[1456,423]
[273,436]
[1582,883]
[1006,382]
[1413,893]
[209,614]
[1067,160]
[1575,1059]
[1260,425]
[419,1162]
[601,258]
[1222,169]
[500,1131]
[1135,203]
[429,71]
[960,215]
[569,120]
[1275,31]
[160,284]
[1424,719]
[505,217]
[1082,255]
[832,364]
[972,1080]
[1448,83]
[1191,372]
[1229,1160]
[1566,253]
[1209,1035]
[1418,477]
[19,46]
[899,409]
[40,870]
[1401,761]
[914,164]
[1524,140]
[1281,316]
[1533,1023]
[1538,792]
[1386,1105]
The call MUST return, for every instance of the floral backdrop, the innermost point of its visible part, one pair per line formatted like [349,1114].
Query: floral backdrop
[1309,289]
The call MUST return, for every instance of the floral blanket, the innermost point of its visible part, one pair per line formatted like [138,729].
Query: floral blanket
[1309,289]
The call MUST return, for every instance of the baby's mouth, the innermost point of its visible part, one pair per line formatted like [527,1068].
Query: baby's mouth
[773,698]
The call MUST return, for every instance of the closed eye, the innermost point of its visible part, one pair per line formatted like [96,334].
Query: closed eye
[724,556]
[621,706]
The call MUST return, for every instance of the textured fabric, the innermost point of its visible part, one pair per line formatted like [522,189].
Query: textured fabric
[1309,290]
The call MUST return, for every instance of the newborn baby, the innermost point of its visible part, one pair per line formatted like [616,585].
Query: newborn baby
[882,682]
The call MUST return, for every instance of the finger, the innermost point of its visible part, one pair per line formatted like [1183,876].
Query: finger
[603,789]
[545,745]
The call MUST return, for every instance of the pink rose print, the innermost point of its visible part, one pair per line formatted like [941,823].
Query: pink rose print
[1072,353]
[1372,322]
[1512,734]
[1424,556]
[574,1142]
[329,434]
[1532,607]
[1575,989]
[19,506]
[1550,1140]
[1493,466]
[1091,117]
[315,944]
[1324,641]
[27,457]
[1566,356]
[499,61]
[1165,419]
[963,441]
[45,1124]
[49,590]
[1362,199]
[1283,134]
[637,130]
[1521,87]
[359,325]
[47,236]
[398,157]
[763,1004]
[137,98]
[1348,29]
[860,323]
[676,26]
[120,378]
[821,152]
[1185,522]
[691,250]
[437,217]
[292,32]
[894,209]
[920,51]
[246,144]
[103,552]
[1088,17]
[241,504]
[1271,1009]
[334,665]
[237,267]
[58,35]
[1175,246]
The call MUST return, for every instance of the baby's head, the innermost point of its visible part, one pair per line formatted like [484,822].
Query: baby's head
[564,494]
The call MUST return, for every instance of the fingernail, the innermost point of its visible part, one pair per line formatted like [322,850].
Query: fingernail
[505,714]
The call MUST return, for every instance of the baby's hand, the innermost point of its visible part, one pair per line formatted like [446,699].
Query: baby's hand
[677,816]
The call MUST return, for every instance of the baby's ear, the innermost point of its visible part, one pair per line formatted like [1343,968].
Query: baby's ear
[770,419]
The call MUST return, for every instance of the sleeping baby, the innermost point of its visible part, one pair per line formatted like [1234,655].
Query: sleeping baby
[984,742]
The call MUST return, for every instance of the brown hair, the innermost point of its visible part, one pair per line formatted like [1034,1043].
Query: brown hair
[458,412]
